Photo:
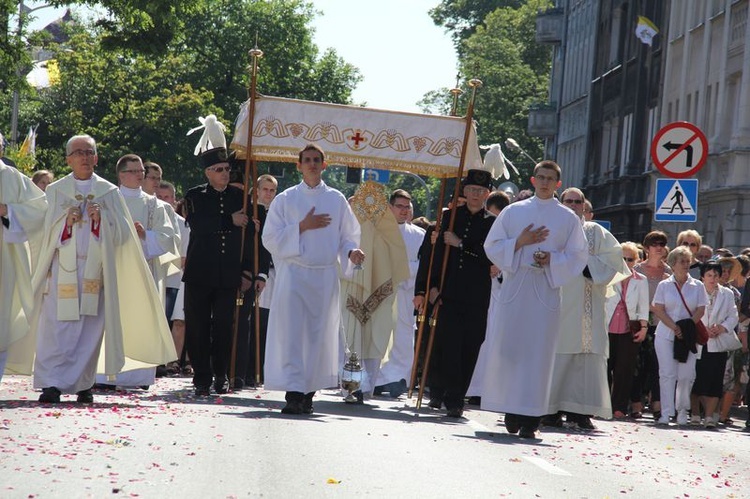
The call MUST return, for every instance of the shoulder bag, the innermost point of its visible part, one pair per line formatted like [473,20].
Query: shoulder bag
[701,333]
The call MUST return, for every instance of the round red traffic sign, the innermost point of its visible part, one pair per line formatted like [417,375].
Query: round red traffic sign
[679,149]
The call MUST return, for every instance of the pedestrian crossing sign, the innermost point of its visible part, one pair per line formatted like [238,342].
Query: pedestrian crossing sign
[676,200]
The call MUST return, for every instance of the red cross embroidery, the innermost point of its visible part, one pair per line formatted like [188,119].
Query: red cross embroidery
[357,138]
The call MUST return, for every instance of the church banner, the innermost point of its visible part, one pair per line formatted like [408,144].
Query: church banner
[357,136]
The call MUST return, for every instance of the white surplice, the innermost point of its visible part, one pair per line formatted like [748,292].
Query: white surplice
[19,245]
[579,378]
[475,387]
[302,348]
[518,370]
[160,249]
[398,364]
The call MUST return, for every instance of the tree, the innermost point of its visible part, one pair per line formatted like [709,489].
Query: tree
[145,103]
[462,17]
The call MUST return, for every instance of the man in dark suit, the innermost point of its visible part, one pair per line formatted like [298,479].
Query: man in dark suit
[217,264]
[464,295]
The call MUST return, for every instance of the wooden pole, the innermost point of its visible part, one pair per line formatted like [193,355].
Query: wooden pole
[474,84]
[250,167]
[422,318]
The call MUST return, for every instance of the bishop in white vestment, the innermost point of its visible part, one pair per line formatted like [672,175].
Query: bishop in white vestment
[22,209]
[309,231]
[539,246]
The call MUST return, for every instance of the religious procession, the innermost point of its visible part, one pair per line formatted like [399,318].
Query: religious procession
[519,304]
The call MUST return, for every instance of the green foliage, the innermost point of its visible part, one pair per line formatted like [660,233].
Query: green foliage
[143,100]
[462,17]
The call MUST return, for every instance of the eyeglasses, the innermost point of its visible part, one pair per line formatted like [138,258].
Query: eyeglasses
[134,171]
[219,169]
[660,244]
[573,201]
[82,152]
[471,189]
[692,245]
[628,259]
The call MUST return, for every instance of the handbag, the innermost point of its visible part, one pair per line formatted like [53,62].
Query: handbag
[701,332]
[727,341]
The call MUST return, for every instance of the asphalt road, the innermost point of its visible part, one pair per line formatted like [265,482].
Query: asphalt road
[164,443]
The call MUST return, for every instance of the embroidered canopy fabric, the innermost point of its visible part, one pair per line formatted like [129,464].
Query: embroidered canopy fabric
[357,136]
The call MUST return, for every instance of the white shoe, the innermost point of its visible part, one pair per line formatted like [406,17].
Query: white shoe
[696,420]
[682,417]
[709,423]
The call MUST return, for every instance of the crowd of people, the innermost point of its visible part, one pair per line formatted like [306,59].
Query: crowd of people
[530,308]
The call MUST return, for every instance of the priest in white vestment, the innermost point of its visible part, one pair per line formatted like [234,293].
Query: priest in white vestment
[396,369]
[539,246]
[22,209]
[159,243]
[579,380]
[368,294]
[92,287]
[310,229]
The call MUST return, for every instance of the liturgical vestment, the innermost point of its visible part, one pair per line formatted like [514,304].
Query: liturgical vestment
[93,291]
[302,347]
[518,371]
[579,379]
[20,233]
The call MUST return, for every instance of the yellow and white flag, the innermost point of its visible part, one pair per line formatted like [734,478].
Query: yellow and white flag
[28,147]
[646,30]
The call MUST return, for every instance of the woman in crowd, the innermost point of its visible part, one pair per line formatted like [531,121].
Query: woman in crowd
[646,378]
[677,297]
[629,303]
[692,240]
[42,179]
[720,318]
[731,275]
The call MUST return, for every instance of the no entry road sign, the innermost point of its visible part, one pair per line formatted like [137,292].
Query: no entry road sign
[679,149]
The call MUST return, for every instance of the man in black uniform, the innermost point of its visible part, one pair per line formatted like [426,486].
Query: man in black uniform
[214,270]
[464,296]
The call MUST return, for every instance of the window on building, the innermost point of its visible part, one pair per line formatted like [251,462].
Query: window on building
[627,132]
[687,107]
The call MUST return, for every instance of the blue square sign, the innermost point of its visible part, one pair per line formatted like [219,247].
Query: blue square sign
[676,200]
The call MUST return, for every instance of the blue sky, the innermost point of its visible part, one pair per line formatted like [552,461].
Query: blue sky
[400,53]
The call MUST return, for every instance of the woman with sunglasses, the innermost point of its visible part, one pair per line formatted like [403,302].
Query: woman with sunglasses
[692,240]
[646,378]
[628,304]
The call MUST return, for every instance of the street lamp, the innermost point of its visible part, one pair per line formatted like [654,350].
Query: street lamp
[514,146]
[428,202]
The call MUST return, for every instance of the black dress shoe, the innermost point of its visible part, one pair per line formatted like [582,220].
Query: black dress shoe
[455,412]
[474,401]
[293,407]
[50,395]
[238,384]
[436,402]
[221,386]
[511,423]
[554,420]
[104,387]
[526,432]
[307,403]
[202,391]
[85,397]
[584,423]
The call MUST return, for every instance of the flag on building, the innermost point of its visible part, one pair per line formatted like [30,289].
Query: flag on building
[645,30]
[28,147]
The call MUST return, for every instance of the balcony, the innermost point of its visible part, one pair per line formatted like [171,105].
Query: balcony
[542,120]
[550,26]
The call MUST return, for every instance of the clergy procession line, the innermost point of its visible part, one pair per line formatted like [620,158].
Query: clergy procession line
[537,311]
